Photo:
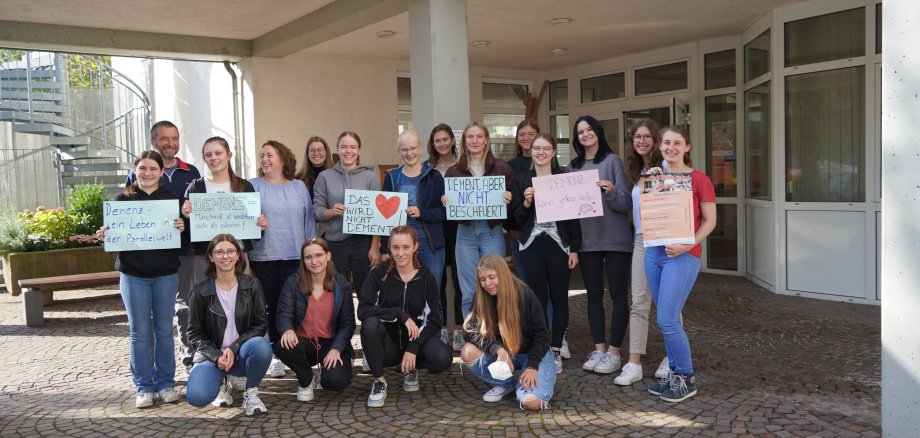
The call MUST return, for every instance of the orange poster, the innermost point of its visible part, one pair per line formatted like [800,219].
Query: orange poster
[666,209]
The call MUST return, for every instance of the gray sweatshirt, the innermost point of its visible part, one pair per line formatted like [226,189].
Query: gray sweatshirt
[329,190]
[611,231]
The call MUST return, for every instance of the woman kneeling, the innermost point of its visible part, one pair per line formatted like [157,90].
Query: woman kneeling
[316,319]
[227,326]
[400,322]
[507,326]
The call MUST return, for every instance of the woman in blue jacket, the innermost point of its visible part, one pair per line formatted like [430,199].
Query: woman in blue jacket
[316,319]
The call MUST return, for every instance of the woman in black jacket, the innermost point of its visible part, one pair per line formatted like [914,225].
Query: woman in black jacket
[227,326]
[507,327]
[316,319]
[400,321]
[549,250]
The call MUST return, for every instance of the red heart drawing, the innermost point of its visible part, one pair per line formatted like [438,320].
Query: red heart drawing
[387,207]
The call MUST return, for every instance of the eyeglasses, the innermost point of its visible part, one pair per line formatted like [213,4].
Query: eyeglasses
[638,137]
[403,151]
[316,151]
[314,257]
[542,148]
[224,253]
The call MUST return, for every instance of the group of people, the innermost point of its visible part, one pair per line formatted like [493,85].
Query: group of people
[248,308]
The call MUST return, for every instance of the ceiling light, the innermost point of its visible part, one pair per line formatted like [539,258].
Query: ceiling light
[558,50]
[384,34]
[560,21]
[480,43]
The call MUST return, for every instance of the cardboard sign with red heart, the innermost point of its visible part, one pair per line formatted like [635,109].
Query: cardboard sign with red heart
[372,212]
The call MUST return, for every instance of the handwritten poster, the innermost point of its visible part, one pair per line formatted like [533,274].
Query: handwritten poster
[141,225]
[219,213]
[372,212]
[566,196]
[666,209]
[474,198]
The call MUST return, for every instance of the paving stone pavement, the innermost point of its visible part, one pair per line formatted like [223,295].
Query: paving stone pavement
[767,365]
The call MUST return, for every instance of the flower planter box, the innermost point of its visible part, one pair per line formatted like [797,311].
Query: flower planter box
[25,265]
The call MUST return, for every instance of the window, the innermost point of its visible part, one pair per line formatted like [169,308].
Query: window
[878,28]
[658,79]
[502,110]
[757,141]
[612,86]
[825,136]
[559,129]
[559,95]
[828,37]
[720,69]
[721,143]
[757,57]
[722,243]
[403,104]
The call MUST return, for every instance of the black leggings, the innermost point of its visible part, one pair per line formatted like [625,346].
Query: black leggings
[617,265]
[350,256]
[273,274]
[384,345]
[450,239]
[546,267]
[305,355]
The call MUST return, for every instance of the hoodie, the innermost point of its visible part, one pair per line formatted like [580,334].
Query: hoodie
[329,190]
[155,262]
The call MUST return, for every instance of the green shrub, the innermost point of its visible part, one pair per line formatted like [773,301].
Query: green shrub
[14,235]
[54,224]
[84,203]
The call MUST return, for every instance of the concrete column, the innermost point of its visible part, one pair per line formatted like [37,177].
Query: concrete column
[439,64]
[900,229]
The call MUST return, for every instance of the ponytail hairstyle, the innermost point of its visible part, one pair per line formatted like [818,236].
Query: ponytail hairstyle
[682,131]
[409,231]
[304,174]
[526,122]
[500,315]
[306,277]
[634,161]
[131,189]
[236,183]
[433,154]
[488,149]
[211,270]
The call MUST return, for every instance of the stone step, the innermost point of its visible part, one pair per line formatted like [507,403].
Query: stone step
[76,167]
[79,155]
[94,179]
[36,85]
[23,74]
[24,116]
[43,128]
[40,105]
[36,96]
[64,140]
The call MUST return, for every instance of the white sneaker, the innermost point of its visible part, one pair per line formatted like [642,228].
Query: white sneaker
[445,336]
[305,394]
[168,395]
[458,340]
[143,400]
[364,366]
[593,359]
[497,393]
[251,402]
[557,360]
[224,398]
[608,364]
[276,369]
[378,394]
[564,351]
[631,373]
[238,383]
[663,369]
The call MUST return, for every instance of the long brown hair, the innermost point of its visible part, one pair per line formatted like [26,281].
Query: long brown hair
[305,174]
[488,148]
[211,270]
[432,152]
[409,231]
[131,189]
[498,315]
[288,160]
[634,161]
[236,183]
[524,123]
[306,277]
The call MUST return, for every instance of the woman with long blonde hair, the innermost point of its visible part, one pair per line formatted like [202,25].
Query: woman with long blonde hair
[507,325]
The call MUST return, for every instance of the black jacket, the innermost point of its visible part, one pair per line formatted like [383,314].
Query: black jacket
[292,309]
[534,334]
[155,262]
[393,300]
[198,186]
[569,231]
[207,320]
[432,212]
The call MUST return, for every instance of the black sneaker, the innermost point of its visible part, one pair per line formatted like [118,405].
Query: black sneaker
[378,394]
[663,385]
[683,386]
[410,383]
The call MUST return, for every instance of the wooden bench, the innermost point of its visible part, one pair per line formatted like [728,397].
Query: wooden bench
[39,292]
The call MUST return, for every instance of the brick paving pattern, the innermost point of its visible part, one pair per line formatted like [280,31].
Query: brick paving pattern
[767,365]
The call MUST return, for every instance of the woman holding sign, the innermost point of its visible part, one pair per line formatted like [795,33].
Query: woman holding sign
[672,269]
[352,254]
[610,244]
[287,207]
[506,332]
[400,322]
[549,250]
[148,285]
[479,237]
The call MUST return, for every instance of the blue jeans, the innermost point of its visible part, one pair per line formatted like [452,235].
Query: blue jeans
[546,375]
[205,378]
[150,304]
[474,241]
[670,280]
[516,255]
[433,259]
